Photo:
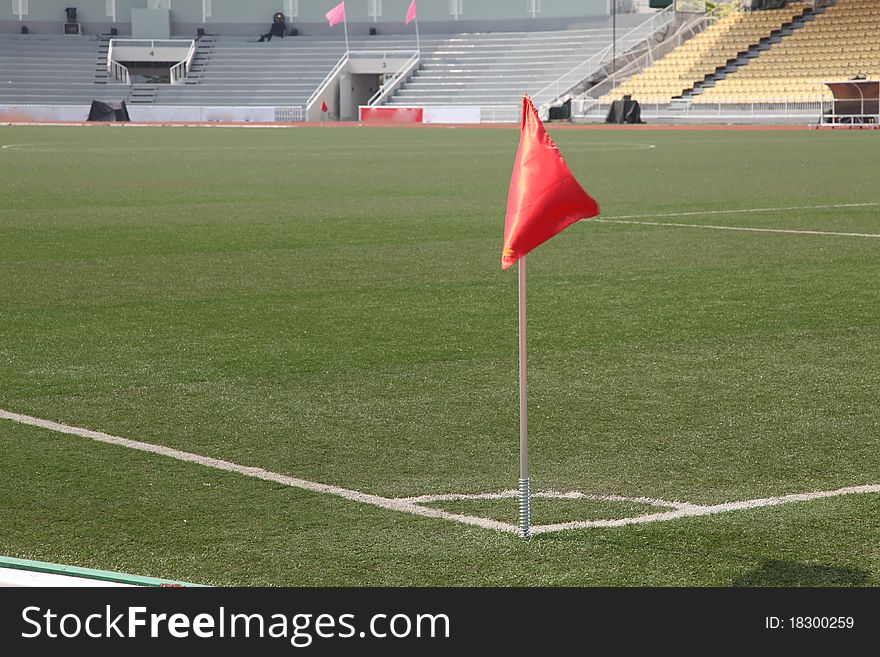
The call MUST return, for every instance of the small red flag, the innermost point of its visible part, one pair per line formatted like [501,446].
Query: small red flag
[544,197]
[411,12]
[323,106]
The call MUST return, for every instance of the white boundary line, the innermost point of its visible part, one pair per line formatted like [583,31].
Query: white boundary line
[735,228]
[698,510]
[701,213]
[258,473]
[414,506]
[638,219]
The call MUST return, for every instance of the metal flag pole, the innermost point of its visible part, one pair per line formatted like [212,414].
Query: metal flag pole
[418,43]
[345,27]
[525,514]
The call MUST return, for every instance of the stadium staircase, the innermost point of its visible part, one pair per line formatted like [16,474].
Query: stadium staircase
[101,75]
[204,49]
[142,93]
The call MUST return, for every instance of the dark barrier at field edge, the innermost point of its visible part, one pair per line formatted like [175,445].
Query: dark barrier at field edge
[516,620]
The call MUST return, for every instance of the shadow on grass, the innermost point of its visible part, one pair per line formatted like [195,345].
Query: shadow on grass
[788,573]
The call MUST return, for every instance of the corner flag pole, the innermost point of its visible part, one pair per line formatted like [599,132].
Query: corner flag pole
[345,27]
[543,199]
[525,515]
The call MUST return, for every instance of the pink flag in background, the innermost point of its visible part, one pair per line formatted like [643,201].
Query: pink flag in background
[336,15]
[411,13]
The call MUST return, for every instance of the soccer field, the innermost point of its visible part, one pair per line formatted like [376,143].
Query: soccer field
[327,306]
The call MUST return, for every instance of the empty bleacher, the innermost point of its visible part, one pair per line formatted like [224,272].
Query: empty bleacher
[472,69]
[731,34]
[495,69]
[242,72]
[840,44]
[52,69]
[490,70]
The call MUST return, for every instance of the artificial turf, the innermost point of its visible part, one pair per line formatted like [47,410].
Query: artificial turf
[329,304]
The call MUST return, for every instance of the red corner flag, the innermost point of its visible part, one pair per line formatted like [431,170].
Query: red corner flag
[323,106]
[544,197]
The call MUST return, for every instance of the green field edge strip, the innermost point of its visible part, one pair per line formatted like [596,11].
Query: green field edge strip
[87,573]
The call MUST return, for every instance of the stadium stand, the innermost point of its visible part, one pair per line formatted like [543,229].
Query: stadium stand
[495,68]
[483,69]
[730,37]
[239,71]
[52,69]
[759,56]
[765,56]
[838,45]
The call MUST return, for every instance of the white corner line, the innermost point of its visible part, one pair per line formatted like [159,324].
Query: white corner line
[703,213]
[413,506]
[696,510]
[258,473]
[570,495]
[744,229]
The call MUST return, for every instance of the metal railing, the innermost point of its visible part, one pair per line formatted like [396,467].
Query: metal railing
[390,86]
[152,43]
[641,33]
[178,71]
[733,109]
[501,113]
[321,88]
[115,71]
[293,114]
[119,73]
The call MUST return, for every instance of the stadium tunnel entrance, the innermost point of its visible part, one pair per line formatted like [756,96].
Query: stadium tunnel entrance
[147,60]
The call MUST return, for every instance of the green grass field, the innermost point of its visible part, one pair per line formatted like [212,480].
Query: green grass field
[329,304]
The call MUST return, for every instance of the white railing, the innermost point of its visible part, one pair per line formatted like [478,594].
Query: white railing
[151,43]
[119,73]
[293,114]
[556,89]
[733,109]
[116,72]
[179,70]
[576,75]
[381,54]
[390,86]
[321,88]
[501,113]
